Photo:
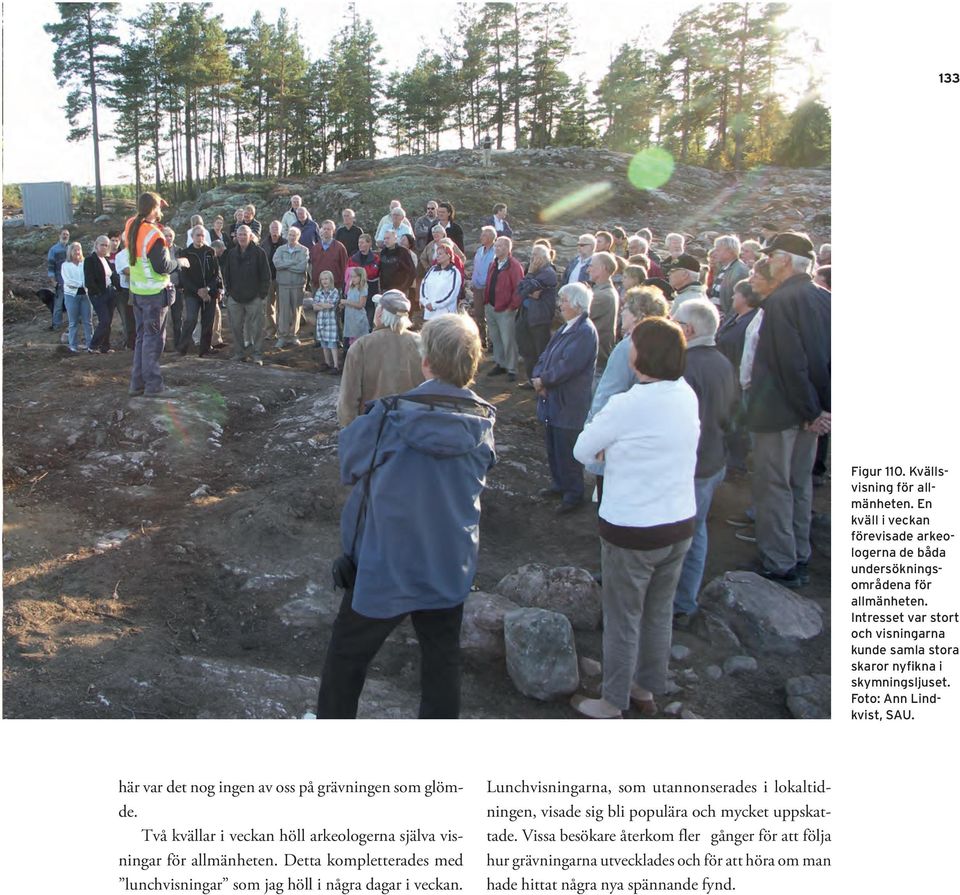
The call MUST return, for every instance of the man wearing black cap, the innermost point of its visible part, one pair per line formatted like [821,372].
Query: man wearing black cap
[383,362]
[789,407]
[683,275]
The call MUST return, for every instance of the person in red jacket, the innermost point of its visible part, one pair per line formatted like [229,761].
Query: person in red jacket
[502,301]
[328,254]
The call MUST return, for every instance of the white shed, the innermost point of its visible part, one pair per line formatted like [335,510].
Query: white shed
[46,204]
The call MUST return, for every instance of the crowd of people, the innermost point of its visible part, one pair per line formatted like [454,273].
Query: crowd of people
[658,367]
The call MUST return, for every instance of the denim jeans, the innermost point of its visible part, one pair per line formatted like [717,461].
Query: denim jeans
[78,311]
[58,305]
[150,313]
[691,574]
[104,305]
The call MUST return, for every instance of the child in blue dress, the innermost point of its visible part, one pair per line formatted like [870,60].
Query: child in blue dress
[355,323]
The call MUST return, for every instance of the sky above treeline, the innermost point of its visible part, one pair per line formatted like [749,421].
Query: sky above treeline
[35,147]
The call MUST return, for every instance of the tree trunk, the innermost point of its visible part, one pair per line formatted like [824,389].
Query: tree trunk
[93,113]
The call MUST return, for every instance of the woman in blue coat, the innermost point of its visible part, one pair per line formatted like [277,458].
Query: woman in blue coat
[563,378]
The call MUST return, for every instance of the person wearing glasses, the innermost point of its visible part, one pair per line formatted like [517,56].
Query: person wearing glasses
[423,226]
[578,270]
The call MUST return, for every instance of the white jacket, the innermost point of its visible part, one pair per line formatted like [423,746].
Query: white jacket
[649,437]
[440,288]
[72,276]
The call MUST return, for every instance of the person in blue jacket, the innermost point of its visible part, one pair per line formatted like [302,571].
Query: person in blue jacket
[563,378]
[418,463]
[55,258]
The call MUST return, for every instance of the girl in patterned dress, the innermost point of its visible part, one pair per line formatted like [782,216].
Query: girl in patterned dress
[325,303]
[355,323]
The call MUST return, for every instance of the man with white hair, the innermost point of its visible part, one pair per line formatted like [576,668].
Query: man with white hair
[563,379]
[605,307]
[478,278]
[290,261]
[387,221]
[789,407]
[730,271]
[502,301]
[383,362]
[578,270]
[348,233]
[640,245]
[674,244]
[398,223]
[711,376]
[246,280]
[289,218]
[683,274]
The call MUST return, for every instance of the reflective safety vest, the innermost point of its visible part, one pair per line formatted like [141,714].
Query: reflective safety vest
[144,280]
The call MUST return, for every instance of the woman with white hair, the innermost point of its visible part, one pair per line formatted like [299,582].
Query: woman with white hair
[563,378]
[428,257]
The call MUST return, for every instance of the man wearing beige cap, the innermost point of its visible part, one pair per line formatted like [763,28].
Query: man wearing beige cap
[384,362]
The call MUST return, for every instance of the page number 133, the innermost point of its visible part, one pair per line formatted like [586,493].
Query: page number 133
[950,78]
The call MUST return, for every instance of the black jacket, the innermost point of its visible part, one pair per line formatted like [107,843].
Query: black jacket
[255,226]
[711,377]
[349,237]
[455,232]
[396,269]
[246,275]
[203,272]
[270,247]
[94,276]
[731,335]
[790,382]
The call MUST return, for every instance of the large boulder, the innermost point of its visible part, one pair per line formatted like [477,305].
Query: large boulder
[481,633]
[570,591]
[541,654]
[765,616]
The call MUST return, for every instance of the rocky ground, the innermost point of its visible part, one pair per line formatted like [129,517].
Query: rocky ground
[171,558]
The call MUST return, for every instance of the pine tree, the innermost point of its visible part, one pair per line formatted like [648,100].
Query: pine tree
[807,141]
[129,73]
[547,85]
[628,98]
[83,37]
